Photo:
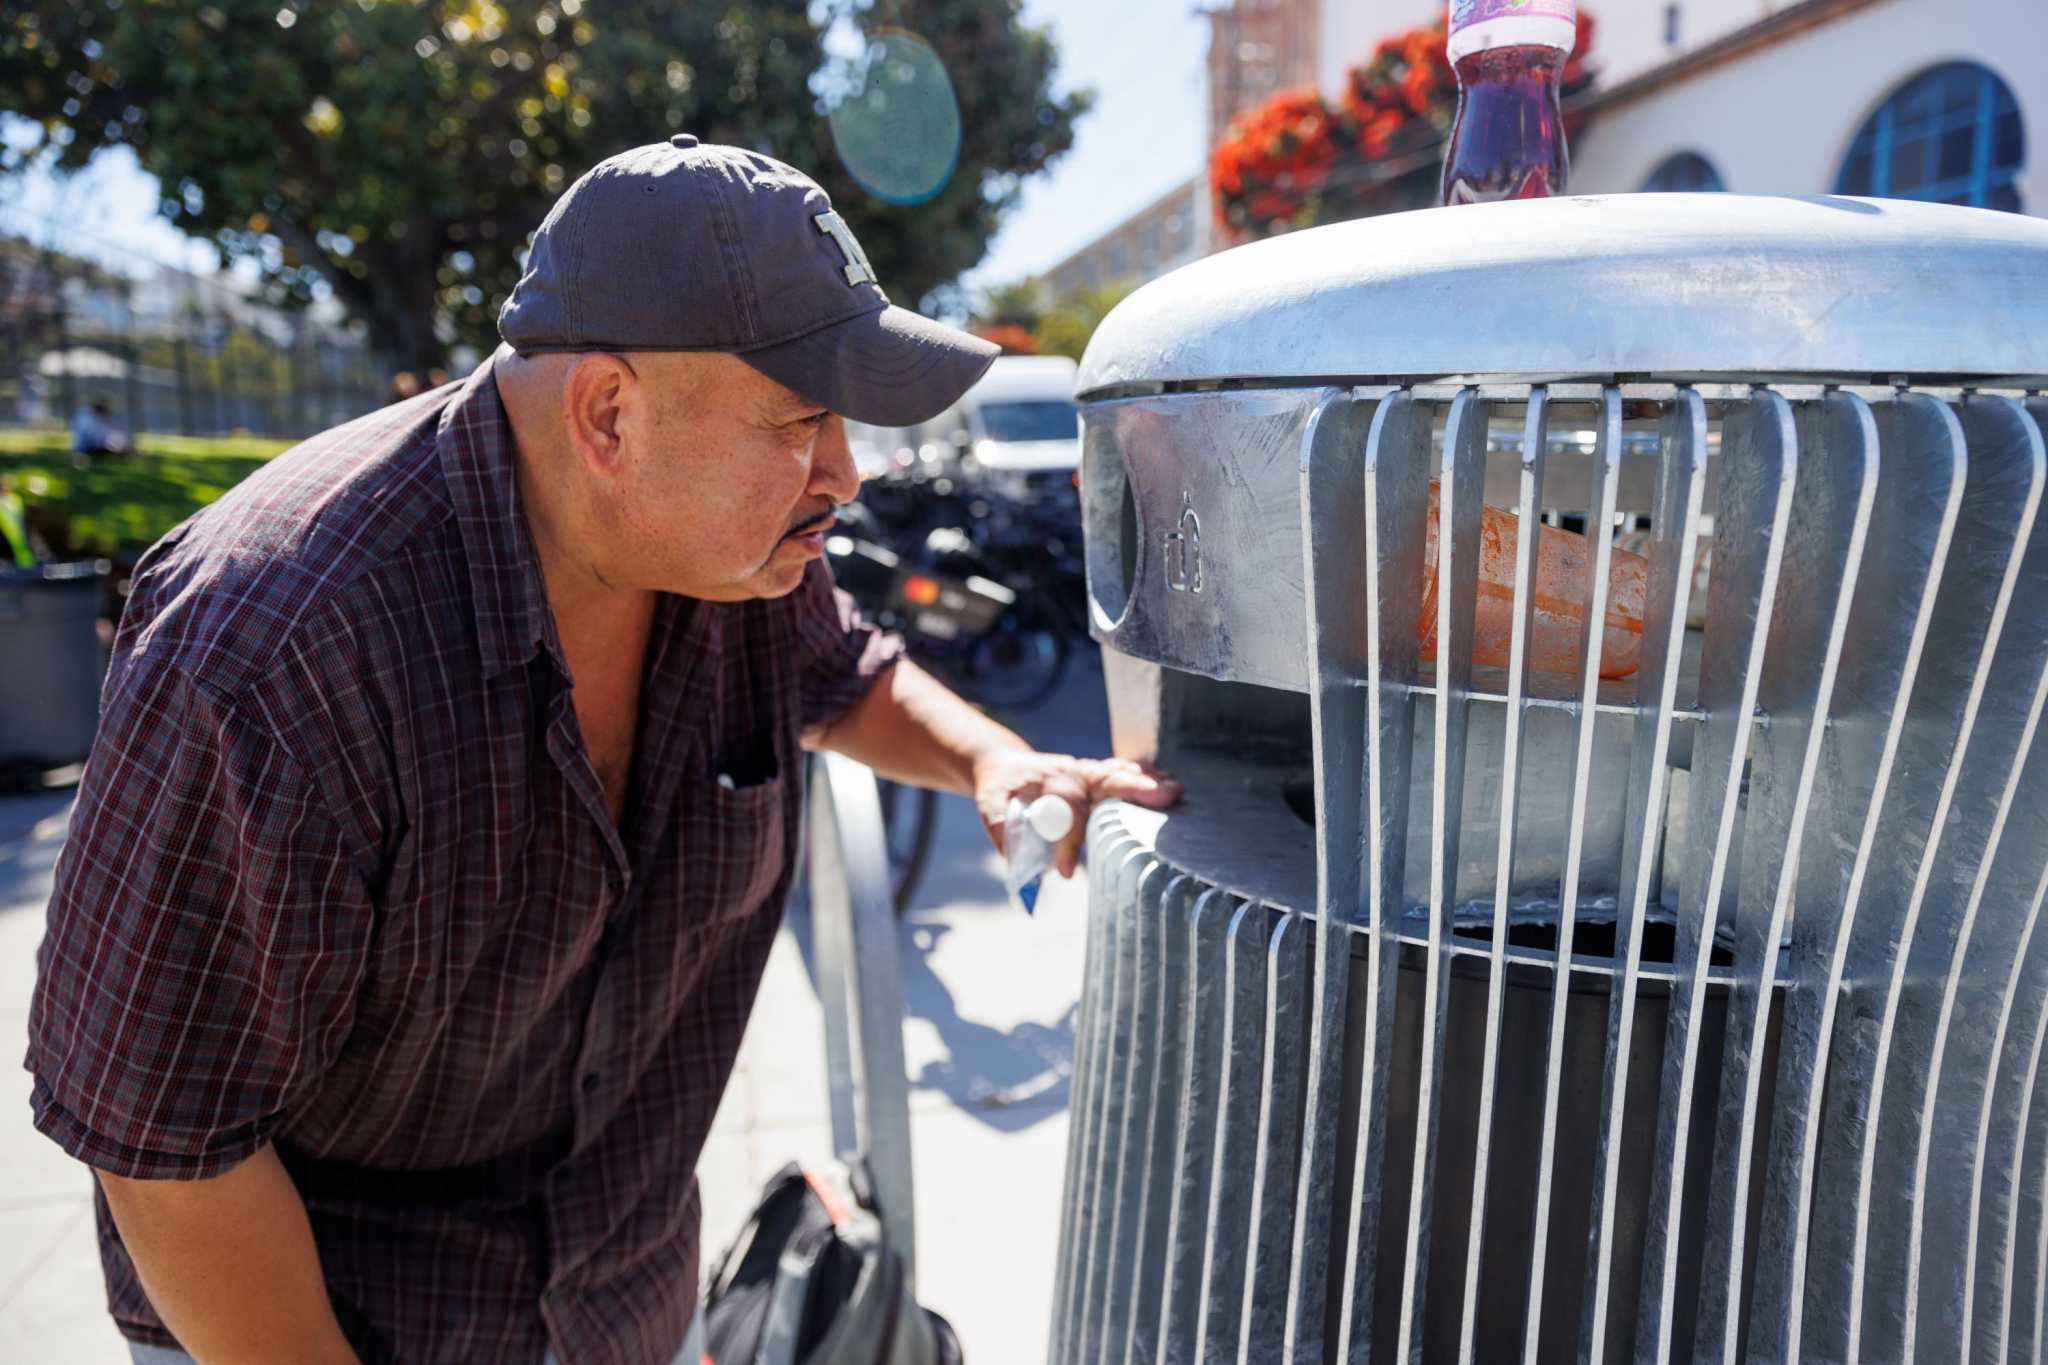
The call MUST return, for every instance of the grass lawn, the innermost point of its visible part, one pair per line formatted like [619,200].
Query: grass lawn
[119,506]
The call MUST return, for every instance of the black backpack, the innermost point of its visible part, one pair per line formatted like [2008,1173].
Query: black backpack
[810,1281]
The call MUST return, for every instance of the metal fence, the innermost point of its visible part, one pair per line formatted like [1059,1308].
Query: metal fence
[166,349]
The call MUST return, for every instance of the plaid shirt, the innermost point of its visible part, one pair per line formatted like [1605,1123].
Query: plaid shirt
[341,878]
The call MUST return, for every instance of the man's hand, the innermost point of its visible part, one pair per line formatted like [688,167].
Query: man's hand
[911,728]
[1004,775]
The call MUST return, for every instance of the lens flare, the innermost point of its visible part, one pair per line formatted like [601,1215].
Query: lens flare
[897,124]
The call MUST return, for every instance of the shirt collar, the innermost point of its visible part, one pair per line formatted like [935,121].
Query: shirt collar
[513,621]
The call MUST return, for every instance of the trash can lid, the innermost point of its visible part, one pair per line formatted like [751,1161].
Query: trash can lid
[1594,286]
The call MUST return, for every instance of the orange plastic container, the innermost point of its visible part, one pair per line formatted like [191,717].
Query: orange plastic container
[1564,571]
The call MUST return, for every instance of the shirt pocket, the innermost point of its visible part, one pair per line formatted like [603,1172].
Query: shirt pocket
[735,843]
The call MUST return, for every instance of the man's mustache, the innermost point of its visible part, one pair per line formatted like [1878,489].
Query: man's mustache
[811,523]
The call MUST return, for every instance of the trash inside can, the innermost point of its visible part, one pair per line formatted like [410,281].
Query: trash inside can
[1536,971]
[50,663]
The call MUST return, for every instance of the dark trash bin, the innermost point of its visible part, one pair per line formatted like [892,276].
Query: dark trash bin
[51,663]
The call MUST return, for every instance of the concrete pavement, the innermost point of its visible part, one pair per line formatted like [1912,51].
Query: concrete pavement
[988,1039]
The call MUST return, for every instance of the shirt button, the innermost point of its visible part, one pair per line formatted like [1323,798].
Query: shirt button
[589,1082]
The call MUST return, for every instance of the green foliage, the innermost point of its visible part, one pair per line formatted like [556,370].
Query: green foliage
[115,507]
[403,150]
[1068,320]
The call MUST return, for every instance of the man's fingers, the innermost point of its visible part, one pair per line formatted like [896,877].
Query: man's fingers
[1128,781]
[1075,791]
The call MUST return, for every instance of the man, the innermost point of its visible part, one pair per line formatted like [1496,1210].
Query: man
[93,431]
[446,797]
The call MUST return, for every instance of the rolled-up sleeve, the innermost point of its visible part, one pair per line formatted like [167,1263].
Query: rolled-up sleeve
[207,935]
[841,654]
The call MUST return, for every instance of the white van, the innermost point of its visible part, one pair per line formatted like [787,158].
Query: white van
[1017,426]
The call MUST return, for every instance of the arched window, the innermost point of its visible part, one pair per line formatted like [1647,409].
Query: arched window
[1951,134]
[1684,171]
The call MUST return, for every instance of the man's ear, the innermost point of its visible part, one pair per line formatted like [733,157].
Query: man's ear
[594,396]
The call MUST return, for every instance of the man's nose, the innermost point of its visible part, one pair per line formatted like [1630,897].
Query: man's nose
[833,473]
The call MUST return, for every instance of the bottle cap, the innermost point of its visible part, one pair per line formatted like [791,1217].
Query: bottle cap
[1051,818]
[1476,25]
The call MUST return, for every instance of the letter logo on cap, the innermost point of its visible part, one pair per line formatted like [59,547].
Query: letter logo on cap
[857,268]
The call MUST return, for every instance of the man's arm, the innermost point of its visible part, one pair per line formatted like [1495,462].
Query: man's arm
[911,728]
[229,1264]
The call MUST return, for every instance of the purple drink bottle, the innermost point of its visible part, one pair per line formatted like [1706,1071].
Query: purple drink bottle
[1508,140]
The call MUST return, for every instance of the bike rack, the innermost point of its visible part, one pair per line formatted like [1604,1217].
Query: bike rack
[860,981]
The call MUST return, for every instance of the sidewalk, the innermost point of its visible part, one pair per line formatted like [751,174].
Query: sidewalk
[52,1300]
[990,997]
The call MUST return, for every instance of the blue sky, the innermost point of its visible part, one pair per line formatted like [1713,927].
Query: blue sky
[1144,59]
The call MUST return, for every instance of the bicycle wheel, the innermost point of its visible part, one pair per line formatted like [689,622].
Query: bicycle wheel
[1019,663]
[910,821]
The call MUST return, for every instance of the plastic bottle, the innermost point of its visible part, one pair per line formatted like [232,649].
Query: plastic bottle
[1029,833]
[1564,570]
[1508,139]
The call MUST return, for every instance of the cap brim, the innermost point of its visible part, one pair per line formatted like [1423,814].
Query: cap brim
[889,368]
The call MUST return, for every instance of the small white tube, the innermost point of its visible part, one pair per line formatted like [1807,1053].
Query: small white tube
[1029,833]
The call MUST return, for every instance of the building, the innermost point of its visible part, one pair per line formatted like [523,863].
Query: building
[1928,99]
[1934,99]
[1164,235]
[1256,48]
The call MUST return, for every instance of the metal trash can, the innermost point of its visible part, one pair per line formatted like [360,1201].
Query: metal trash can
[1483,1014]
[50,662]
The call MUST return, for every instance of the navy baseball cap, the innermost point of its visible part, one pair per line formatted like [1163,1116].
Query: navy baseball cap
[688,246]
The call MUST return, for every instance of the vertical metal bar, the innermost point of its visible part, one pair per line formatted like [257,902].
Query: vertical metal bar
[1921,474]
[1396,499]
[1142,872]
[1104,836]
[1163,1122]
[1998,515]
[1332,516]
[1180,1303]
[1461,477]
[1264,1314]
[2041,1257]
[1237,1124]
[855,922]
[1682,485]
[1759,462]
[2015,693]
[1109,872]
[1835,489]
[1602,495]
[1138,1083]
[2010,1298]
[2034,1016]
[1106,840]
[2002,1128]
[1528,503]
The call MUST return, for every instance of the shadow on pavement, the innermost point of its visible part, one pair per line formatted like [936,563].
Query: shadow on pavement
[1009,1078]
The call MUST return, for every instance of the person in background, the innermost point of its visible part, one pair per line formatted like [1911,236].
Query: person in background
[93,431]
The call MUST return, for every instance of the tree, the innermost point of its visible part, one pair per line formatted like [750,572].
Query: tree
[1070,319]
[401,151]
